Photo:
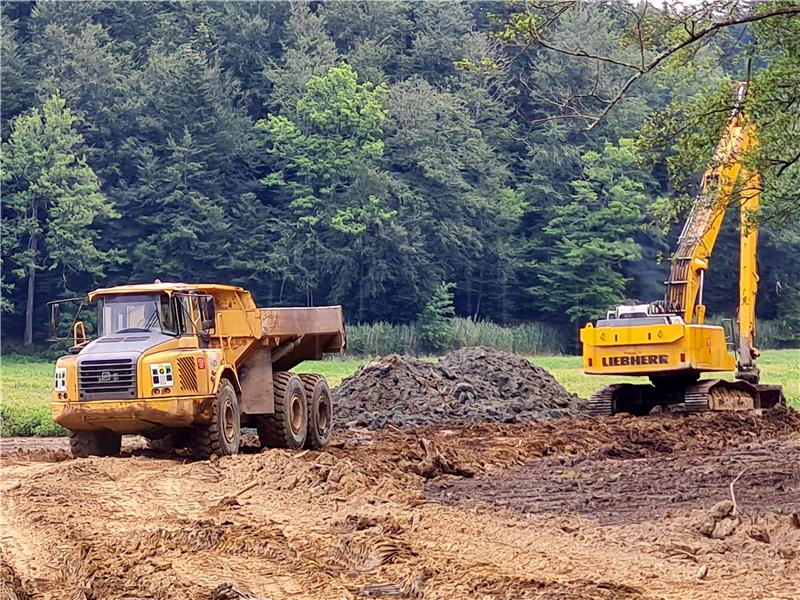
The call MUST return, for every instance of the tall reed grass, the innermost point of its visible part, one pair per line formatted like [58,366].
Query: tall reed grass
[378,339]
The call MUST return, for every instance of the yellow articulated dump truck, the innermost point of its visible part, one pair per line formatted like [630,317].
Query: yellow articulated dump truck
[194,363]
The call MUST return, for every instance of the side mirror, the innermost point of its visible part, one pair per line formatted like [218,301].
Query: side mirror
[79,336]
[209,313]
[55,318]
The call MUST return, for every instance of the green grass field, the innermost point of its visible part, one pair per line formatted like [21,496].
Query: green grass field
[25,384]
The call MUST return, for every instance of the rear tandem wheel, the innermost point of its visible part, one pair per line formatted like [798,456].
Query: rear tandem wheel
[287,427]
[320,411]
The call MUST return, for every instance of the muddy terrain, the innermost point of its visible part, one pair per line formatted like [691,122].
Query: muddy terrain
[704,506]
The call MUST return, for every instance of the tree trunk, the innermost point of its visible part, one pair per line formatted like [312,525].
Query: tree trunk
[28,336]
[33,244]
[361,287]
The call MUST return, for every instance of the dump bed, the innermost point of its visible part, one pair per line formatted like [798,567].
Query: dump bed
[296,334]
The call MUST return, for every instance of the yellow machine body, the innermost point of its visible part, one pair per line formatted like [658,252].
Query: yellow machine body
[174,379]
[668,340]
[655,350]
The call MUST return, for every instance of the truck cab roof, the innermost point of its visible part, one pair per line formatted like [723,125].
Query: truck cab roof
[145,288]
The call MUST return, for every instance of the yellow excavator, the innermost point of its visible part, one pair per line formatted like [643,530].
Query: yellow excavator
[669,340]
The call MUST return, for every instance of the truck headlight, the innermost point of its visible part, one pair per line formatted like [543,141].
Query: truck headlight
[161,374]
[60,379]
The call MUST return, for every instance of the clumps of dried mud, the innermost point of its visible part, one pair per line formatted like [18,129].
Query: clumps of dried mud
[11,587]
[486,510]
[469,385]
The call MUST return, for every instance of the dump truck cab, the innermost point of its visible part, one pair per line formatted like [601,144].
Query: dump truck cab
[177,356]
[153,348]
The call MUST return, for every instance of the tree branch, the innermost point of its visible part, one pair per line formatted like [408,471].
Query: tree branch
[690,23]
[694,36]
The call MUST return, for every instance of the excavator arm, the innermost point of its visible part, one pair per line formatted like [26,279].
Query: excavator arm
[750,198]
[684,293]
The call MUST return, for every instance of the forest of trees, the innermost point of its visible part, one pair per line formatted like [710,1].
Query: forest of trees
[365,153]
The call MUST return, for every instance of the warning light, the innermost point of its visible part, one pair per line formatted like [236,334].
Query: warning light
[201,362]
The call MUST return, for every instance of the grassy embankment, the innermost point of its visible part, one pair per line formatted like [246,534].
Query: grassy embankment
[26,384]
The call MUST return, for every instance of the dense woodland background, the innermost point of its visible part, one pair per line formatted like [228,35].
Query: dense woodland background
[366,153]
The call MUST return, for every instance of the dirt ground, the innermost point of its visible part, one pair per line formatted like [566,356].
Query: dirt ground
[563,509]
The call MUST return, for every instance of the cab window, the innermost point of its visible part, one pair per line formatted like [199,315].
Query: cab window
[188,314]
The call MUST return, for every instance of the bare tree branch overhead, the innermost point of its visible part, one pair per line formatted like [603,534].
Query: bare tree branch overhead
[536,25]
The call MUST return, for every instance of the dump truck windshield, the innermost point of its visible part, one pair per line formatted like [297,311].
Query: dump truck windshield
[128,313]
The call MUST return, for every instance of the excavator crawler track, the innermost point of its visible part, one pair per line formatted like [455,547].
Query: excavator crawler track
[601,404]
[696,397]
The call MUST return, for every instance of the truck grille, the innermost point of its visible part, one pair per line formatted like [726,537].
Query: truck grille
[109,379]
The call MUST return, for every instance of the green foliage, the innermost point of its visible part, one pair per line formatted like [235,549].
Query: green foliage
[435,319]
[685,133]
[333,192]
[361,153]
[787,333]
[380,339]
[52,200]
[591,239]
[337,129]
[26,384]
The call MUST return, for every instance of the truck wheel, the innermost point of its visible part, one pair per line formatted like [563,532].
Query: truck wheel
[94,443]
[222,434]
[287,427]
[320,411]
[169,442]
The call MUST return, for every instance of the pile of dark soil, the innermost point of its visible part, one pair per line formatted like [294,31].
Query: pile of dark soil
[468,385]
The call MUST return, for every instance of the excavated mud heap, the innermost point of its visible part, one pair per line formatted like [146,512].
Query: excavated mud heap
[468,385]
[484,510]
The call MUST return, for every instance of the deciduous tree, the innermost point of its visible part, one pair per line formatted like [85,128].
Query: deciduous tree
[52,202]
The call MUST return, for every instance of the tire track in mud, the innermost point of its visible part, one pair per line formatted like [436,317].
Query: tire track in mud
[618,491]
[355,521]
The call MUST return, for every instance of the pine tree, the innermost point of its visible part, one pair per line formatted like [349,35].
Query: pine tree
[308,51]
[434,320]
[591,241]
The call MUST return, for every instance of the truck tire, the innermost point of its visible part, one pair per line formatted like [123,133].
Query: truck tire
[287,427]
[223,433]
[169,442]
[320,411]
[94,443]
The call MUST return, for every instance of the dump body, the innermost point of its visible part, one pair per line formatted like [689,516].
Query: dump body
[143,377]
